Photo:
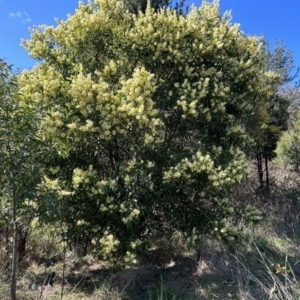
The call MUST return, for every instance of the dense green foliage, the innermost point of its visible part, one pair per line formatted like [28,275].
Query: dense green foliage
[272,116]
[288,147]
[19,169]
[18,145]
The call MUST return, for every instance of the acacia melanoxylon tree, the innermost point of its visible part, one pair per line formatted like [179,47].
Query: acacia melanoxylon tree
[146,118]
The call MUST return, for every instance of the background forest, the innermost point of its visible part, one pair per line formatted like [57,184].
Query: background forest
[152,153]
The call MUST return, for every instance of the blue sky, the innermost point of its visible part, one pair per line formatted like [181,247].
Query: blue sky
[272,18]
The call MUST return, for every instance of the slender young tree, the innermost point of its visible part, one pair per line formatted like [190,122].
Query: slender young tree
[18,151]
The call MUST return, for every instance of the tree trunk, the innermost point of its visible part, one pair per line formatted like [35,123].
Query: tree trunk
[14,255]
[14,263]
[266,168]
[259,167]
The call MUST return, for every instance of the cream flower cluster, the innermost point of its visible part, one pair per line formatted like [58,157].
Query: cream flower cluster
[132,215]
[44,84]
[54,186]
[108,245]
[80,176]
[218,176]
[130,257]
[109,206]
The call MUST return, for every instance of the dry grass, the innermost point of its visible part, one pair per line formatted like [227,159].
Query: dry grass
[247,271]
[265,264]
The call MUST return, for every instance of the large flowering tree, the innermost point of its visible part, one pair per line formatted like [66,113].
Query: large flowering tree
[146,117]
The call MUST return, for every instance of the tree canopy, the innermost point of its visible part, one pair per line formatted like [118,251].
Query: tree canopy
[146,115]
